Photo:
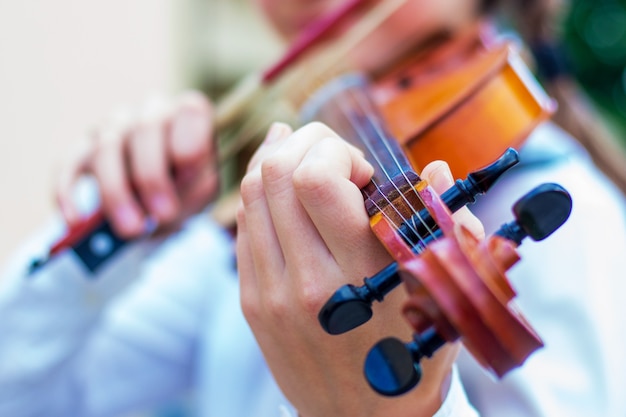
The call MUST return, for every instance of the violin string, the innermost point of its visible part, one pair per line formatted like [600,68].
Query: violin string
[355,124]
[380,131]
[367,106]
[366,140]
[417,248]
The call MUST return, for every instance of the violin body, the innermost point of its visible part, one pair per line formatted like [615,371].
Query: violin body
[464,101]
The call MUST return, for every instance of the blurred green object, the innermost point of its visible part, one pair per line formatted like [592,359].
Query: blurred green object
[595,42]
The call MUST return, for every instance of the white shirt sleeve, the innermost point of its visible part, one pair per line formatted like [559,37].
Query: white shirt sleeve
[72,344]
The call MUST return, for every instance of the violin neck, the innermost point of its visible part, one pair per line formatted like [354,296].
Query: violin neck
[347,107]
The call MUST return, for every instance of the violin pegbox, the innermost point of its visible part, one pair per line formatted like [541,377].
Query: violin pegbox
[458,290]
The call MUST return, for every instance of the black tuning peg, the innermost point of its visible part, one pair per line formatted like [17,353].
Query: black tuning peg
[416,229]
[351,306]
[538,214]
[392,367]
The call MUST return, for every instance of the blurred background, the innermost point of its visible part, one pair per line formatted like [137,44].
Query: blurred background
[595,40]
[66,64]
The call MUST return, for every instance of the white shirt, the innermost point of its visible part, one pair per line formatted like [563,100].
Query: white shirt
[571,287]
[75,345]
[145,331]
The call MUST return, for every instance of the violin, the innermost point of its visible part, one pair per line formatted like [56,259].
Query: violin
[468,100]
[480,107]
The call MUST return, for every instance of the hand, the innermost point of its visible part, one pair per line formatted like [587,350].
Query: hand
[158,162]
[303,232]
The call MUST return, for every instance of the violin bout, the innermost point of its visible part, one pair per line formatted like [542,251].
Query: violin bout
[463,102]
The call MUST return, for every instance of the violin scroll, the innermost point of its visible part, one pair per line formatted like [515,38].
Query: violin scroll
[497,336]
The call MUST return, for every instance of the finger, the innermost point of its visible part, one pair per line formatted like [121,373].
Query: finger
[328,183]
[118,201]
[248,282]
[198,194]
[300,240]
[266,252]
[190,144]
[277,132]
[79,163]
[438,175]
[76,166]
[148,164]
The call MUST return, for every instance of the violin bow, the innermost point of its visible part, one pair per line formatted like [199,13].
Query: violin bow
[289,83]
